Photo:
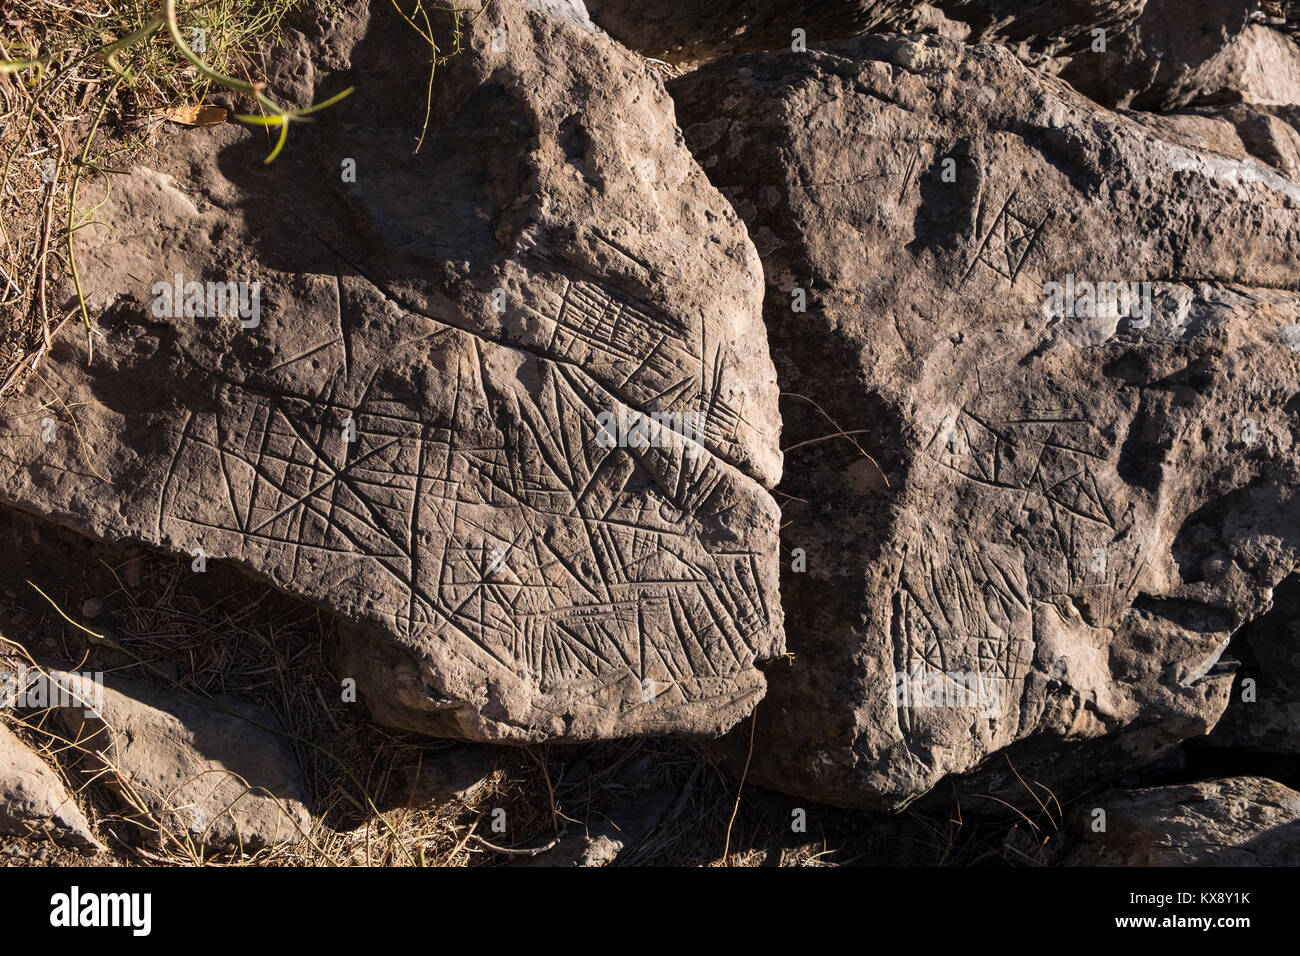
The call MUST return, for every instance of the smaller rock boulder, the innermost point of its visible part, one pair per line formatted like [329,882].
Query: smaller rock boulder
[1189,53]
[1235,821]
[33,800]
[217,773]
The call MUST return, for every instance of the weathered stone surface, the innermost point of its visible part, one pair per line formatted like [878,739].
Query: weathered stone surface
[1237,821]
[1188,52]
[510,576]
[681,31]
[1080,510]
[1270,134]
[1037,30]
[217,774]
[34,801]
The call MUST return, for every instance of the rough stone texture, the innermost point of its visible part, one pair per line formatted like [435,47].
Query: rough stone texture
[215,773]
[1038,29]
[1237,821]
[688,33]
[508,576]
[33,800]
[685,31]
[1079,511]
[1270,134]
[1185,52]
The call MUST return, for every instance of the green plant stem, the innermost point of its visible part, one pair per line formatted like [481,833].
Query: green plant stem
[72,212]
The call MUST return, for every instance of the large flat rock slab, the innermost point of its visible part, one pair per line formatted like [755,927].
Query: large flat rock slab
[506,406]
[1076,506]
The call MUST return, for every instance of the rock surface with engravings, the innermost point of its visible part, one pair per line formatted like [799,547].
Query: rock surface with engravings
[1028,520]
[410,435]
[1076,507]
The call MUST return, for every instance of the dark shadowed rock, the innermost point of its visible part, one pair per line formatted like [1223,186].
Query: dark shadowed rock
[606,837]
[1263,715]
[507,408]
[450,775]
[1191,52]
[1081,508]
[34,801]
[216,773]
[681,31]
[1237,821]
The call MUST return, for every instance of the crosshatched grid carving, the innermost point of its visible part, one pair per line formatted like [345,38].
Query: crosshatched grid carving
[604,571]
[961,609]
[595,327]
[965,607]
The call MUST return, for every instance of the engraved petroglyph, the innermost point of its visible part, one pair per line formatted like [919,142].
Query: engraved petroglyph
[1006,245]
[604,569]
[1047,481]
[411,436]
[961,608]
[650,358]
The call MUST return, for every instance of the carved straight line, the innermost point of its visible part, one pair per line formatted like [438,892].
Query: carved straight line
[272,539]
[1029,485]
[762,592]
[988,235]
[343,332]
[649,355]
[309,352]
[1033,241]
[413,541]
[1021,598]
[270,408]
[622,251]
[907,178]
[577,638]
[171,472]
[724,632]
[225,471]
[685,632]
[336,476]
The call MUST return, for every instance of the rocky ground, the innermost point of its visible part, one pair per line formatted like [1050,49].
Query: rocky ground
[814,433]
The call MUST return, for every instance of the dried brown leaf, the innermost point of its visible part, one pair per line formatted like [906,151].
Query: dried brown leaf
[194,115]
